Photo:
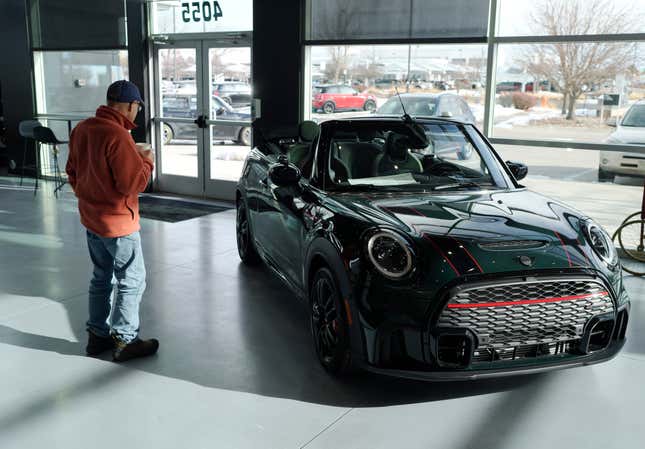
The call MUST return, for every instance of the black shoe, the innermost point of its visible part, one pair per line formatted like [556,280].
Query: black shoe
[97,345]
[135,349]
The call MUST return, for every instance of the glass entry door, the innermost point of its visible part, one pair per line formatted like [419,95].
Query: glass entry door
[202,115]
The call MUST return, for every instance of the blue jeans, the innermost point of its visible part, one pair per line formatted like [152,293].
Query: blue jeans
[119,258]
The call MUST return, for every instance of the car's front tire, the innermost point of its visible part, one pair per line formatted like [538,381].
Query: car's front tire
[245,246]
[605,176]
[329,107]
[369,106]
[167,134]
[329,325]
[244,137]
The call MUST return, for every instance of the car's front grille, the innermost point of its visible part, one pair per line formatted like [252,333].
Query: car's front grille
[527,319]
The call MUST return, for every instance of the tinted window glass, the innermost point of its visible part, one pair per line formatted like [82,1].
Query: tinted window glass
[635,116]
[397,19]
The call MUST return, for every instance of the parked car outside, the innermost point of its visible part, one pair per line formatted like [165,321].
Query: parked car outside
[508,86]
[428,105]
[420,264]
[629,130]
[185,106]
[337,97]
[236,94]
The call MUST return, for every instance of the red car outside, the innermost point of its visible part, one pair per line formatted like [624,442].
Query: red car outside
[332,98]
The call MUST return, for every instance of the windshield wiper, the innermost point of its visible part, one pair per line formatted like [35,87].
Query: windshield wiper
[365,187]
[458,185]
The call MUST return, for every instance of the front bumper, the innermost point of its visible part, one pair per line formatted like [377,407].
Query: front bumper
[397,346]
[629,164]
[455,375]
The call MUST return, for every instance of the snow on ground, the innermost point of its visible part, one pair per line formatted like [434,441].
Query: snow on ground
[508,117]
[524,118]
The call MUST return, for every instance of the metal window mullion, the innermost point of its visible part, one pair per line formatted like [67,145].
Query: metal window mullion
[491,67]
[397,41]
[628,37]
[555,144]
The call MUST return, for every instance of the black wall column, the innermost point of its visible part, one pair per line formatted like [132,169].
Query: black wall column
[16,77]
[138,63]
[277,60]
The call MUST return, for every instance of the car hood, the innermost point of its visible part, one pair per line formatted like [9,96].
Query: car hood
[481,232]
[628,134]
[238,114]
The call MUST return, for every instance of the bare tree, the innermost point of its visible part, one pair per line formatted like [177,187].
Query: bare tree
[217,64]
[340,25]
[571,66]
[173,63]
[338,62]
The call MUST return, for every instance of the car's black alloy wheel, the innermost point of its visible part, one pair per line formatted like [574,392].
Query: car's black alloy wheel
[245,247]
[369,106]
[329,324]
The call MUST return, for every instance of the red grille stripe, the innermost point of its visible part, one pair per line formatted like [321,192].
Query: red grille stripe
[524,301]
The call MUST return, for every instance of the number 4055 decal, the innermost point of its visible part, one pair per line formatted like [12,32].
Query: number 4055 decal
[198,11]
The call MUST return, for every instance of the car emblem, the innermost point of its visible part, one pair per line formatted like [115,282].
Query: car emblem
[526,261]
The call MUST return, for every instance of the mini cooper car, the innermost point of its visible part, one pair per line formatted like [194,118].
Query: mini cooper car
[420,255]
[335,98]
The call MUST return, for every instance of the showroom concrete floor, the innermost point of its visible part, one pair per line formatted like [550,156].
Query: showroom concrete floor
[236,368]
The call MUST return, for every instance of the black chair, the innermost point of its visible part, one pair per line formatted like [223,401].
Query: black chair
[46,136]
[26,130]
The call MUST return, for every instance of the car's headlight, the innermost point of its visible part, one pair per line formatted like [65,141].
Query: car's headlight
[601,243]
[390,254]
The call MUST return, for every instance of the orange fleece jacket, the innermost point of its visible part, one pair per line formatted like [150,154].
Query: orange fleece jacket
[107,173]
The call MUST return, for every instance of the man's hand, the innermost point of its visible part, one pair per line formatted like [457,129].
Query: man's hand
[145,151]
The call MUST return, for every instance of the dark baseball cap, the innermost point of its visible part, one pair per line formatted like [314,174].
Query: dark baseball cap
[124,91]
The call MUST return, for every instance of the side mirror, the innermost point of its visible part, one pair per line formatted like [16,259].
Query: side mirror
[284,174]
[518,169]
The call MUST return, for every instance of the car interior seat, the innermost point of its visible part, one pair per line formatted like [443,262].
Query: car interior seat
[397,158]
[300,153]
[357,155]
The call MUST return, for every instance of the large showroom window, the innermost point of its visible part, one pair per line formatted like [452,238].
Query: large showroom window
[73,70]
[361,53]
[360,79]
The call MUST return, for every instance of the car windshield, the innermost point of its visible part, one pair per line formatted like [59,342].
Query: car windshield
[220,106]
[635,116]
[413,106]
[387,155]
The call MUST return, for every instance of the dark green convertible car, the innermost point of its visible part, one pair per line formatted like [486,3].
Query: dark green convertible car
[420,255]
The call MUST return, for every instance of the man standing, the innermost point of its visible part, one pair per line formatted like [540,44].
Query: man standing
[107,171]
